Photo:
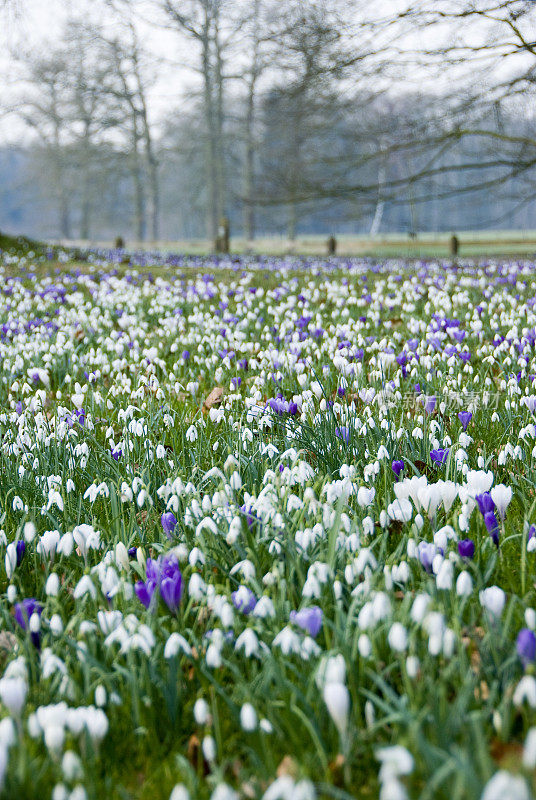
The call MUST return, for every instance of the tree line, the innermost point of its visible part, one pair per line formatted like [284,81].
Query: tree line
[302,116]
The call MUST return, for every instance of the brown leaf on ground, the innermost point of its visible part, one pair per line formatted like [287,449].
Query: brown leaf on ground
[506,753]
[214,398]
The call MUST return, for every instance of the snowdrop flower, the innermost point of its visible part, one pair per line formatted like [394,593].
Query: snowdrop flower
[337,700]
[529,750]
[248,717]
[176,644]
[13,694]
[85,586]
[445,575]
[201,711]
[525,691]
[52,585]
[505,785]
[397,637]
[332,669]
[493,599]
[395,761]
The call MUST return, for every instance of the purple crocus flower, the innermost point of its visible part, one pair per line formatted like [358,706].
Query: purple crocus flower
[485,503]
[163,574]
[343,433]
[308,619]
[116,453]
[23,611]
[426,552]
[466,548]
[171,582]
[397,467]
[20,549]
[144,592]
[526,646]
[185,355]
[244,600]
[341,391]
[429,404]
[465,418]
[169,523]
[439,456]
[251,517]
[492,525]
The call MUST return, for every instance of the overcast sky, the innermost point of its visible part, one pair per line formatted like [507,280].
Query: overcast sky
[37,24]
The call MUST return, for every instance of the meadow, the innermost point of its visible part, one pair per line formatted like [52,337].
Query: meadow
[267,528]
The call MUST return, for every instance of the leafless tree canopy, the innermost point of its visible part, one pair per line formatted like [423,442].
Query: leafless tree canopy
[333,115]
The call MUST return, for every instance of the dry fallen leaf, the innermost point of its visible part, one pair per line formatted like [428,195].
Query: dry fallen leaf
[214,398]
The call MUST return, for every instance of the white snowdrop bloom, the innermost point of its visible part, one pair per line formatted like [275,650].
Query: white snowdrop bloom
[368,526]
[337,700]
[191,434]
[464,584]
[364,646]
[332,669]
[201,711]
[54,737]
[248,717]
[397,637]
[493,600]
[196,586]
[8,734]
[208,746]
[395,761]
[66,544]
[266,726]
[420,607]
[400,572]
[412,666]
[445,575]
[29,532]
[13,694]
[100,696]
[530,618]
[17,504]
[505,785]
[48,543]
[248,642]
[288,641]
[176,644]
[11,559]
[71,766]
[525,691]
[52,585]
[11,593]
[224,792]
[264,608]
[56,625]
[179,792]
[529,750]
[501,496]
[85,586]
